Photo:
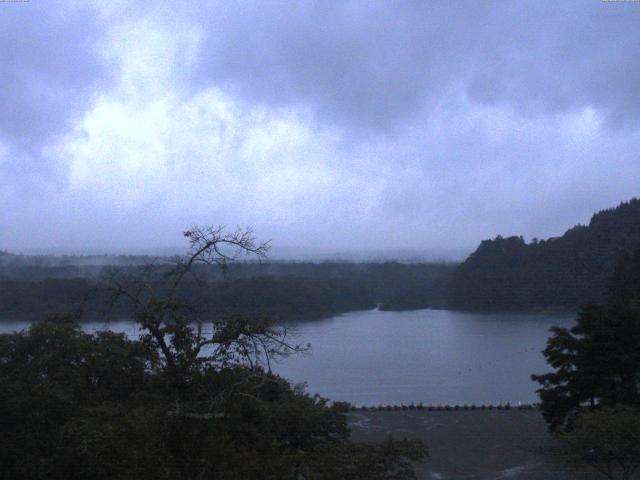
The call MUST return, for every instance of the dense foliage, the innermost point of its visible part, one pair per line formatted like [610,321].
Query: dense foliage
[596,362]
[101,406]
[565,272]
[189,399]
[608,439]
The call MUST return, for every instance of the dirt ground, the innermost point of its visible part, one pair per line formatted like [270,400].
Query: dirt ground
[474,445]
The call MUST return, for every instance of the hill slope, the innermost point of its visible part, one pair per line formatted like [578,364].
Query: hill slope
[563,272]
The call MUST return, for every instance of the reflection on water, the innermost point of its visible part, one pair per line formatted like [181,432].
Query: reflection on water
[432,356]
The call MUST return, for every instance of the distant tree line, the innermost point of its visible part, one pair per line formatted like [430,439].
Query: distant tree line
[503,274]
[287,291]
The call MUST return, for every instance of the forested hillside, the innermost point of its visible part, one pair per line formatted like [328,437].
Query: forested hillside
[564,272]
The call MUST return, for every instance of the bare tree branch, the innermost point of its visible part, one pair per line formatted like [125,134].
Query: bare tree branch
[169,322]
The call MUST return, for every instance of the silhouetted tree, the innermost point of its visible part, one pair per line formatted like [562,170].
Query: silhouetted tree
[192,398]
[596,362]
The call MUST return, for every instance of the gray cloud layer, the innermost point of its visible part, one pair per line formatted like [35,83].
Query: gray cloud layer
[50,70]
[379,64]
[327,125]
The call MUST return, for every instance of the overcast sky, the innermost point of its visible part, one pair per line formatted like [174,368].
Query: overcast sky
[327,126]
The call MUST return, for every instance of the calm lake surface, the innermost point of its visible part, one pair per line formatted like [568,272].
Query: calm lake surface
[432,356]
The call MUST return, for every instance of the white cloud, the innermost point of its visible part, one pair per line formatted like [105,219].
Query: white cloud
[203,156]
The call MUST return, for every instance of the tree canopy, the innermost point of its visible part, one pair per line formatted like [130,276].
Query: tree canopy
[597,361]
[191,398]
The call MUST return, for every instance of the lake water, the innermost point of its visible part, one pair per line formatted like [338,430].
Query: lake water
[432,356]
[429,356]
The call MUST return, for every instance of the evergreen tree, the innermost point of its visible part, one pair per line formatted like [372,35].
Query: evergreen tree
[596,362]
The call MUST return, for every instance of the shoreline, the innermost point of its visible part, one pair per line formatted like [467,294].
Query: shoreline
[474,445]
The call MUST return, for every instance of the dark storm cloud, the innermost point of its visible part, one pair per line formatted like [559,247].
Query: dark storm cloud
[377,64]
[49,70]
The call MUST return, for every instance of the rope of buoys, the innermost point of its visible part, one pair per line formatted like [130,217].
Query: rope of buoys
[443,407]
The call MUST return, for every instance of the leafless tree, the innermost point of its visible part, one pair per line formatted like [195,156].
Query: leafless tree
[177,329]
